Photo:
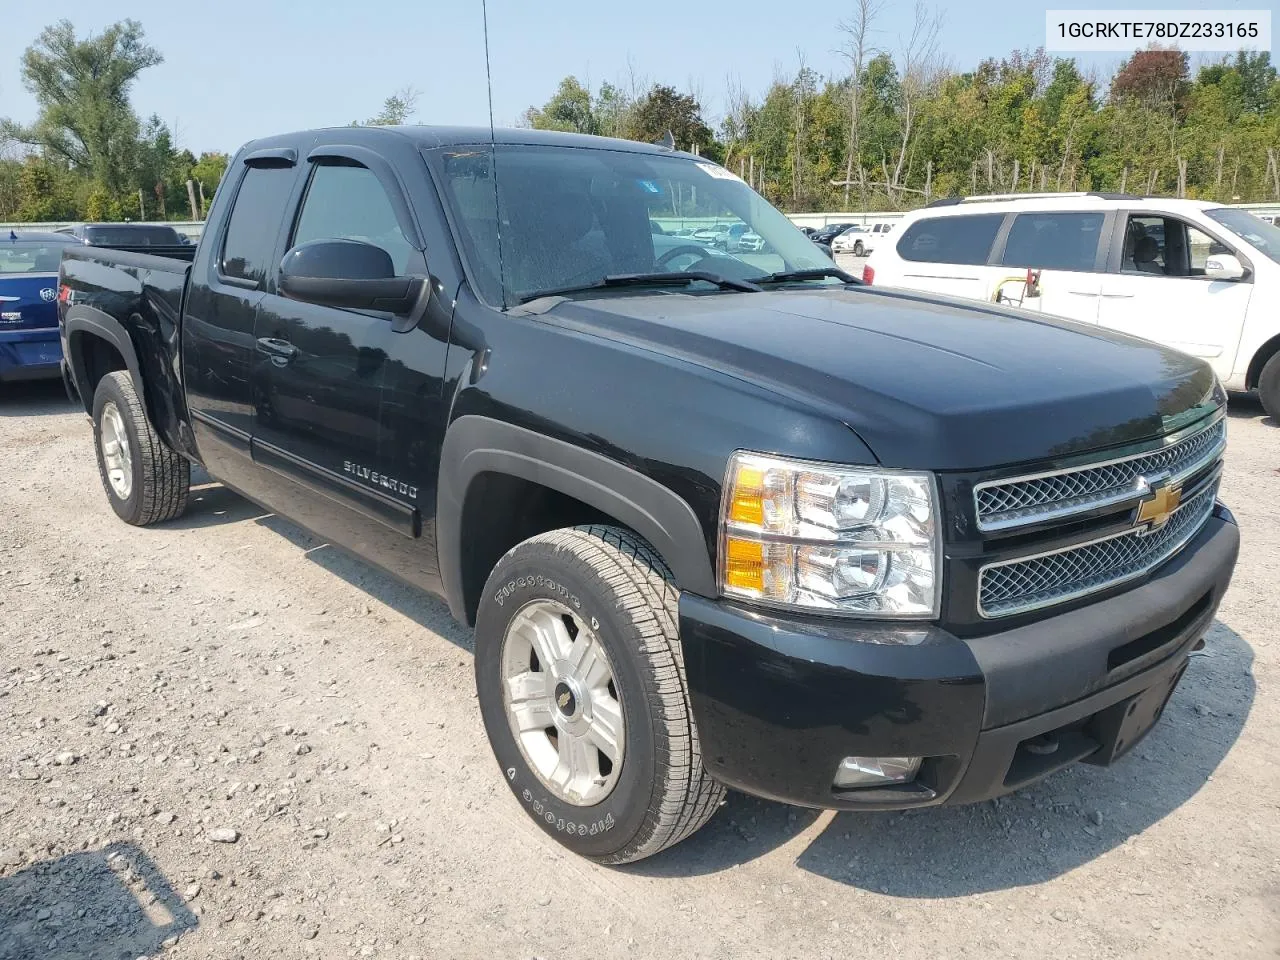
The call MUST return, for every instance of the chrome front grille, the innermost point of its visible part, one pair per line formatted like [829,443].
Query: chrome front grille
[1021,501]
[1030,583]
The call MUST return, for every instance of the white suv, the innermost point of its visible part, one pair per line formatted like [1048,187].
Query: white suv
[861,239]
[1199,277]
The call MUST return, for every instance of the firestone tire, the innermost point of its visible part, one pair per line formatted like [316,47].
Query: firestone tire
[146,482]
[620,594]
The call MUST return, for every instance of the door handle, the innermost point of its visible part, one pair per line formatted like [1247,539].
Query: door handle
[281,351]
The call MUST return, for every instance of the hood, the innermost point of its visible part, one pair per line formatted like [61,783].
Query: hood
[24,302]
[926,382]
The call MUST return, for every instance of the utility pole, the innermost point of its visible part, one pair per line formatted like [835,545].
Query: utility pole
[191,198]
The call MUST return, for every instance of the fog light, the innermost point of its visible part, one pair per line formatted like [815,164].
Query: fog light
[875,771]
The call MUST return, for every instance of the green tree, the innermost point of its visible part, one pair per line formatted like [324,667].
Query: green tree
[612,111]
[570,109]
[208,172]
[81,87]
[397,109]
[663,109]
[46,191]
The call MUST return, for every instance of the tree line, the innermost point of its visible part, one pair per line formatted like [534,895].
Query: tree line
[895,128]
[901,128]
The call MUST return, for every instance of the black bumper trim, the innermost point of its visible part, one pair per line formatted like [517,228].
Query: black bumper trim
[780,701]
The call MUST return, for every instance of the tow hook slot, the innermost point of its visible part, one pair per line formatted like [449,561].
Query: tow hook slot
[1042,746]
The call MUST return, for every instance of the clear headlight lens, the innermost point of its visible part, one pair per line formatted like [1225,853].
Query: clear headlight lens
[825,537]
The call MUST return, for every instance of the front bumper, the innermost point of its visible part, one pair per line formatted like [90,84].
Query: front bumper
[780,701]
[29,354]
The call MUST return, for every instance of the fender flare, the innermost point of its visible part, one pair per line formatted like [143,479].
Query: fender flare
[474,445]
[93,322]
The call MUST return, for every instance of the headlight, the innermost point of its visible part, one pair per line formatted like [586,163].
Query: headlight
[818,536]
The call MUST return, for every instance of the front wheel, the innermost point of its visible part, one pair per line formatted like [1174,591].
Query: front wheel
[858,249]
[581,684]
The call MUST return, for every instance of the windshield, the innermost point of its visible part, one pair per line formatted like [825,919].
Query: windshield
[31,256]
[1259,234]
[571,216]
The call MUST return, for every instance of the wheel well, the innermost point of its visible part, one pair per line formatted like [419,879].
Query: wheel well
[1265,353]
[95,357]
[501,511]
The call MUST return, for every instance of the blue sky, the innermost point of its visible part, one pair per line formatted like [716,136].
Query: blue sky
[247,69]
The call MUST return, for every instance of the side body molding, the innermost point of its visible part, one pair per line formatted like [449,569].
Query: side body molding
[474,445]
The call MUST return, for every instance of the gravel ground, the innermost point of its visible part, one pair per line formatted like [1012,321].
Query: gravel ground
[221,738]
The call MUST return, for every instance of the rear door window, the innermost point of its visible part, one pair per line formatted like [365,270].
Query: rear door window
[1054,241]
[959,239]
[250,241]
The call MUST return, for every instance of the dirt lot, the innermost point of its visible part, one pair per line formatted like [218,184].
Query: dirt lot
[164,691]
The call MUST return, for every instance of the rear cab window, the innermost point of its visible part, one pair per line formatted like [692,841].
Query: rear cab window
[250,240]
[963,239]
[132,235]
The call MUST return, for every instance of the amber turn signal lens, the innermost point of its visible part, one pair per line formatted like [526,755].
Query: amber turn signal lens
[747,503]
[744,565]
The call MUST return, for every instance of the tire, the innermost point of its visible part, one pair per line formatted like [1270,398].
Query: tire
[611,583]
[150,481]
[1269,387]
[858,249]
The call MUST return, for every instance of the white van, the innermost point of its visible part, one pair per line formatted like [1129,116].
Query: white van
[1199,277]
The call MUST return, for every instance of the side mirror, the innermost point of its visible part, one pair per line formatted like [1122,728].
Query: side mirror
[347,273]
[1223,266]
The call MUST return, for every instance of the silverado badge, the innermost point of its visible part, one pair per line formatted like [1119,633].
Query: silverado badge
[1153,513]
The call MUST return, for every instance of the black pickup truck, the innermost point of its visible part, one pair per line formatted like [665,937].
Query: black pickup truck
[718,519]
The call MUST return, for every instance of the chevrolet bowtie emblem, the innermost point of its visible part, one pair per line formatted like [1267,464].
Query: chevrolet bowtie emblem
[563,700]
[1153,513]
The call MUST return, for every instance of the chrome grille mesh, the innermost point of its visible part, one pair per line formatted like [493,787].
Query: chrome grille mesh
[1022,501]
[1021,585]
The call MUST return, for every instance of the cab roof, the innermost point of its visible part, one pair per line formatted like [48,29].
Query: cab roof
[430,137]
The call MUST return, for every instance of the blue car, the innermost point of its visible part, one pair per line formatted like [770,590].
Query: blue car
[29,347]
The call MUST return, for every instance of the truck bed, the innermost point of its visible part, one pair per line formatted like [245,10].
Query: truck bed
[140,296]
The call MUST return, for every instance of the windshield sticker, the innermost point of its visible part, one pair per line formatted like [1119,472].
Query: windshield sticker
[649,186]
[720,173]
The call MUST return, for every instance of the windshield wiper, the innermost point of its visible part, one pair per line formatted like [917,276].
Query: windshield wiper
[662,279]
[816,273]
